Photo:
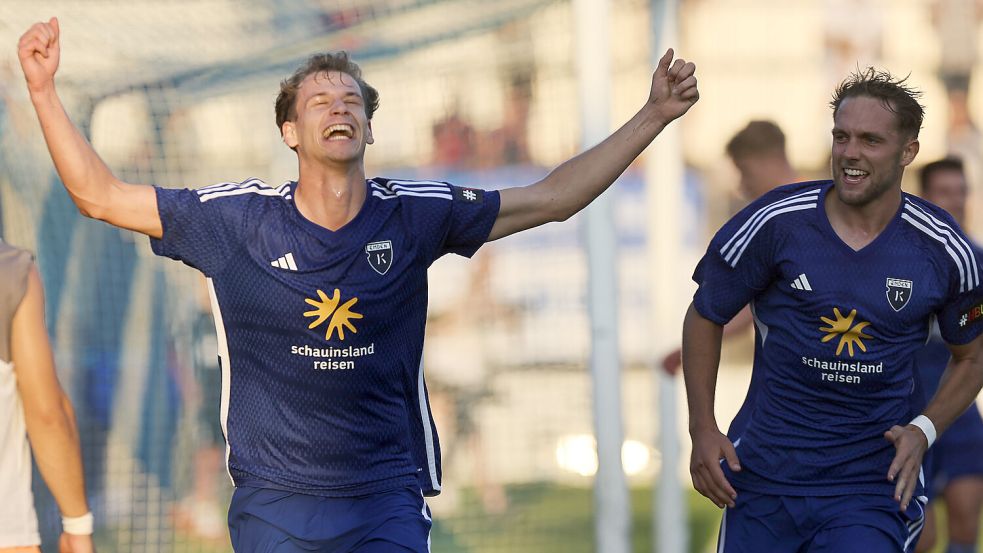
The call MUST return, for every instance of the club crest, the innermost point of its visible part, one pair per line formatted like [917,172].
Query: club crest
[898,293]
[380,255]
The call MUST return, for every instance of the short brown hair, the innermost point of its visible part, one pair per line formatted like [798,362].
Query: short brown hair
[286,101]
[757,138]
[895,94]
[930,169]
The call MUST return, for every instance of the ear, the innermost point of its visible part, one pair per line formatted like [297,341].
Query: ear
[289,132]
[909,153]
[368,133]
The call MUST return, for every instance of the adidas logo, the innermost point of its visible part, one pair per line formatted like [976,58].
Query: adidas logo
[285,262]
[801,283]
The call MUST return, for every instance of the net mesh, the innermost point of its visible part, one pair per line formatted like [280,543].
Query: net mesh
[180,93]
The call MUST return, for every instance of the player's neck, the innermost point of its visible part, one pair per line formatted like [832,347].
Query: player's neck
[330,198]
[859,225]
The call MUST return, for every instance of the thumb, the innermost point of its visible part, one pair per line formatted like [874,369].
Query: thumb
[665,61]
[730,454]
[54,25]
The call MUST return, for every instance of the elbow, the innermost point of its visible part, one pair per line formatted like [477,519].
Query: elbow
[47,417]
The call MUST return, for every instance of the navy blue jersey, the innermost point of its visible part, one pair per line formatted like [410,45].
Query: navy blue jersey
[838,331]
[321,332]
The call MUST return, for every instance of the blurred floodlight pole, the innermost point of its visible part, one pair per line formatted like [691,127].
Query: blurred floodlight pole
[664,184]
[612,518]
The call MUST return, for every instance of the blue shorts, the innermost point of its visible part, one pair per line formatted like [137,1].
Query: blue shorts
[836,524]
[265,520]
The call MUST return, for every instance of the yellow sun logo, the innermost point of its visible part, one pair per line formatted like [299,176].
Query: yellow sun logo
[341,317]
[849,333]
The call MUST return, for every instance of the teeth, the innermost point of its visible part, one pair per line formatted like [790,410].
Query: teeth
[855,172]
[347,131]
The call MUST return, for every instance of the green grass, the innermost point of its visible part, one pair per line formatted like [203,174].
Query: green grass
[540,518]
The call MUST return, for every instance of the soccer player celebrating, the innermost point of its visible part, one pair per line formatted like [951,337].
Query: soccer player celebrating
[319,294]
[33,408]
[844,277]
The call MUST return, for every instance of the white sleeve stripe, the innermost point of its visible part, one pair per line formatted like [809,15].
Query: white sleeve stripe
[964,248]
[229,185]
[415,183]
[965,252]
[239,191]
[735,256]
[385,196]
[945,243]
[739,236]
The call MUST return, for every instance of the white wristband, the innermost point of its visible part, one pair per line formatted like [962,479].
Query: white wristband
[79,526]
[925,424]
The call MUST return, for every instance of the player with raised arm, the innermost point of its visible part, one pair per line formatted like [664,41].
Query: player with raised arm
[319,293]
[34,410]
[844,277]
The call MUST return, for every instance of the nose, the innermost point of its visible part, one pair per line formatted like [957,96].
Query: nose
[850,148]
[339,106]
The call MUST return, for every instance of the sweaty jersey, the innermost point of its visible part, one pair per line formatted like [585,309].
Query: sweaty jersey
[838,331]
[321,332]
[18,522]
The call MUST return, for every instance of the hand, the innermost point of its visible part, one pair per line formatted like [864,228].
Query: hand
[674,88]
[40,51]
[72,543]
[709,447]
[909,445]
[672,361]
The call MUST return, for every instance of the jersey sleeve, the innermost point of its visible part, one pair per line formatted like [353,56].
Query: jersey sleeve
[197,230]
[472,214]
[737,265]
[961,319]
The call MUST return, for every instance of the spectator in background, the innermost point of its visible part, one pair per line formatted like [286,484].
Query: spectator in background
[955,468]
[758,153]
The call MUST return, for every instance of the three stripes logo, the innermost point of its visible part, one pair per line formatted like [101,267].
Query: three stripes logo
[801,283]
[285,261]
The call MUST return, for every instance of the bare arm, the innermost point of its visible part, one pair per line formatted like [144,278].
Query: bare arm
[577,181]
[47,412]
[701,359]
[95,190]
[673,360]
[961,383]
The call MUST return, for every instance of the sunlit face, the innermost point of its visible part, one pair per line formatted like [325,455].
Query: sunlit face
[947,189]
[331,123]
[869,152]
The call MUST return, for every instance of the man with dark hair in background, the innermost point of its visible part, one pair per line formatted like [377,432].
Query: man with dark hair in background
[954,467]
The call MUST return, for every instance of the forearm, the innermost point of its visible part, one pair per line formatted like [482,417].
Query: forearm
[961,383]
[701,360]
[55,443]
[86,177]
[577,181]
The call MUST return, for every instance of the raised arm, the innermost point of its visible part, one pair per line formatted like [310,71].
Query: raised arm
[577,181]
[95,190]
[701,359]
[961,383]
[48,414]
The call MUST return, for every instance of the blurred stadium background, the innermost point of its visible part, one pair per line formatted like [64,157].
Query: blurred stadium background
[480,93]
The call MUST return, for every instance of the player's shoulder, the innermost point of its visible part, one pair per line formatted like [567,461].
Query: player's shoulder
[783,205]
[791,194]
[937,234]
[410,191]
[248,190]
[933,225]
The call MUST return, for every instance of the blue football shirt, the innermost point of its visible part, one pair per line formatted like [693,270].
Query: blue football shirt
[321,332]
[837,333]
